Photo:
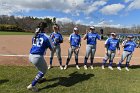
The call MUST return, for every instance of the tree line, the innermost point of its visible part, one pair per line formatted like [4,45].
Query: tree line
[29,24]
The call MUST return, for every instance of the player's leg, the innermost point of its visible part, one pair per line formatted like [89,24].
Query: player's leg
[93,50]
[76,58]
[123,57]
[58,53]
[107,55]
[88,51]
[70,52]
[128,61]
[51,57]
[41,65]
[112,55]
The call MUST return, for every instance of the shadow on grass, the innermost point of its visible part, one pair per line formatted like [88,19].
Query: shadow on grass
[135,66]
[94,64]
[71,80]
[3,81]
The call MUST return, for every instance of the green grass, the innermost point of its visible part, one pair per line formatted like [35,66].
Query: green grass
[15,79]
[15,33]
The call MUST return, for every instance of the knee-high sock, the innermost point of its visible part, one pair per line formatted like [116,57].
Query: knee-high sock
[38,76]
[85,61]
[110,62]
[120,63]
[91,60]
[104,62]
[127,64]
[67,61]
[60,61]
[76,60]
[51,60]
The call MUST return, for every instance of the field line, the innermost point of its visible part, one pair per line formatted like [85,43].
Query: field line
[97,57]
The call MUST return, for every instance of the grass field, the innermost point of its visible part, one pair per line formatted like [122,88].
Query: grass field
[15,79]
[15,33]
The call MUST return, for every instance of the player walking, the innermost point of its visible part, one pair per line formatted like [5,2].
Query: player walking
[75,43]
[129,45]
[91,37]
[40,42]
[57,40]
[111,44]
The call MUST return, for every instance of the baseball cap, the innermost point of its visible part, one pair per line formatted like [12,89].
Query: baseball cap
[75,28]
[130,36]
[113,34]
[92,27]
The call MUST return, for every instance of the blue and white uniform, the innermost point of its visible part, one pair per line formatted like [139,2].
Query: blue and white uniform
[57,39]
[75,43]
[111,45]
[91,46]
[129,47]
[37,52]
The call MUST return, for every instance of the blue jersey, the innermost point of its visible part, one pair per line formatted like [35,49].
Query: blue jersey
[92,38]
[112,44]
[75,40]
[129,46]
[56,38]
[42,43]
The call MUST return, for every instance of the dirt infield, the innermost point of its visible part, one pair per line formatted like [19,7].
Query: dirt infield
[14,50]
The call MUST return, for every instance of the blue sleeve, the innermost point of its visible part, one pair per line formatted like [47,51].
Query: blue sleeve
[99,37]
[49,43]
[61,38]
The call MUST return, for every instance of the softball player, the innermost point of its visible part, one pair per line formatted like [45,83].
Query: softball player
[129,46]
[91,37]
[57,39]
[75,43]
[40,42]
[111,44]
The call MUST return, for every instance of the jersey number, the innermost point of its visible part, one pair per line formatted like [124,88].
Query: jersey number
[39,42]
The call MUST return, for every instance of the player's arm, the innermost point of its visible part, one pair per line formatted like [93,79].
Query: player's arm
[85,37]
[106,45]
[124,44]
[118,47]
[99,37]
[61,39]
[50,44]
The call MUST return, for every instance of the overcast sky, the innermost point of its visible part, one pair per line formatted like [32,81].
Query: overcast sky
[116,13]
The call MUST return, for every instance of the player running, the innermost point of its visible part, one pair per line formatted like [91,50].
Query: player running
[57,40]
[111,44]
[40,42]
[91,37]
[129,45]
[75,44]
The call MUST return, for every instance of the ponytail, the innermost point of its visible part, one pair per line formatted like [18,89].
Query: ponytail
[36,34]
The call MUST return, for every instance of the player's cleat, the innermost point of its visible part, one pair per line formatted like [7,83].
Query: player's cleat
[61,68]
[127,68]
[119,68]
[103,67]
[77,67]
[65,67]
[110,67]
[32,88]
[41,80]
[49,67]
[85,67]
[91,67]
